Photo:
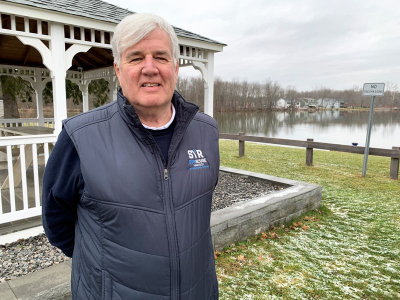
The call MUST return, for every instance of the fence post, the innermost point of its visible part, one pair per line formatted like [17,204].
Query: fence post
[241,144]
[309,154]
[394,166]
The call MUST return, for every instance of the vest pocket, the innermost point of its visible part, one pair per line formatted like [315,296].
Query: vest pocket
[106,290]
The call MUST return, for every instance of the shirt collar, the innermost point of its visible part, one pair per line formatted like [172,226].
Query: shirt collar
[164,126]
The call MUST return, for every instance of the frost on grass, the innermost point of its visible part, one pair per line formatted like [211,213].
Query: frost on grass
[340,257]
[352,252]
[292,280]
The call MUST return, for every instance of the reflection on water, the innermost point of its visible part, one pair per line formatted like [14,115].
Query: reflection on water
[338,127]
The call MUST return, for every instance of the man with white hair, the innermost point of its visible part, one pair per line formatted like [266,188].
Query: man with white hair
[128,187]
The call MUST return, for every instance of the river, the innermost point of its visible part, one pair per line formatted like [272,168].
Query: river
[336,127]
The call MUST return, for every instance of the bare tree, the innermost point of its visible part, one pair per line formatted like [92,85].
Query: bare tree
[392,91]
[271,93]
[291,96]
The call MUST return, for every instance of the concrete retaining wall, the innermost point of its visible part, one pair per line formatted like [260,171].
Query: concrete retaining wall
[242,220]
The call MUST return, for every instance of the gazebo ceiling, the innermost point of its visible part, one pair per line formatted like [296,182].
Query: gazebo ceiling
[14,53]
[95,58]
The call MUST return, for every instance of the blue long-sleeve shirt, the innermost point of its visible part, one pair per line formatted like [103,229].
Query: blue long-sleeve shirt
[62,189]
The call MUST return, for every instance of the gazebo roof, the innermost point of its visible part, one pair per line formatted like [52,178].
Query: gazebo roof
[98,10]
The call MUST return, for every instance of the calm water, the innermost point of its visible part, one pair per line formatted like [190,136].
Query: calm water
[335,127]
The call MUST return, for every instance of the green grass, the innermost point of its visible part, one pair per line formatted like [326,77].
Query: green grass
[350,247]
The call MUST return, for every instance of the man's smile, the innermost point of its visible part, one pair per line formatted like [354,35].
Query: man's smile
[150,84]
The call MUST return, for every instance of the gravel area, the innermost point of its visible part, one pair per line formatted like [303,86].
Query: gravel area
[28,255]
[235,189]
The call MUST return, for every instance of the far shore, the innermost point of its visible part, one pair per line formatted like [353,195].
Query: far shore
[48,111]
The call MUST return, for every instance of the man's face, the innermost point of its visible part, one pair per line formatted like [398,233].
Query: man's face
[146,73]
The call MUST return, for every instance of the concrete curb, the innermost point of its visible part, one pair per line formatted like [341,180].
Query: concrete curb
[228,226]
[52,283]
[242,220]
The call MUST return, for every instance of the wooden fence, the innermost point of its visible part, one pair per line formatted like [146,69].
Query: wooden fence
[22,161]
[310,145]
[48,122]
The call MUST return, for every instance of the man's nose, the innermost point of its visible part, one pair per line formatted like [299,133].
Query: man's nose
[149,67]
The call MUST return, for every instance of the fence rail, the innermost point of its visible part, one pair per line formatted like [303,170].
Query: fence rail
[48,122]
[393,153]
[22,161]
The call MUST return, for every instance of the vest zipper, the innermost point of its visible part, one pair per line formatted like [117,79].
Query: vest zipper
[170,216]
[171,231]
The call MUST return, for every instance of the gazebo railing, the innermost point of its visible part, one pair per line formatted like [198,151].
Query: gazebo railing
[48,122]
[22,162]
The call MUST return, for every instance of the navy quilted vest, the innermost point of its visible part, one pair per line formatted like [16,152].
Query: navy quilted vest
[143,228]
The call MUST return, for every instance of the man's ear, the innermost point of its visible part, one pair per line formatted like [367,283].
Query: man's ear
[116,68]
[177,69]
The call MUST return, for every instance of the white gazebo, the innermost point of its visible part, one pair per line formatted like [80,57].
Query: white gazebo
[46,40]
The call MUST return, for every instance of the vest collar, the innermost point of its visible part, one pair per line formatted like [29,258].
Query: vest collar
[185,112]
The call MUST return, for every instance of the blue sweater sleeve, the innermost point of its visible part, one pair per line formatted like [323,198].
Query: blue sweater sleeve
[62,189]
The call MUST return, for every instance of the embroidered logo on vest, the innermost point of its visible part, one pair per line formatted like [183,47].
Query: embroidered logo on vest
[197,160]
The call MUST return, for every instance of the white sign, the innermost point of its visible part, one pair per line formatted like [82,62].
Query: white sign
[373,89]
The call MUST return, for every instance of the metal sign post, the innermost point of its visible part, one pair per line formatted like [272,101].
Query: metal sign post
[371,114]
[370,89]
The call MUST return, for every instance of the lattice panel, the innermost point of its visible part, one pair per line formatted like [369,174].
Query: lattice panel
[97,74]
[87,36]
[18,25]
[23,71]
[74,75]
[192,53]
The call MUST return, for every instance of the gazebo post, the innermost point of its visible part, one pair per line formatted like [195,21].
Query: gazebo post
[39,96]
[209,85]
[112,84]
[85,95]
[58,74]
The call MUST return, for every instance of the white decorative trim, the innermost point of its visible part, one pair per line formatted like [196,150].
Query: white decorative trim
[192,53]
[72,51]
[202,68]
[39,46]
[200,44]
[27,140]
[25,34]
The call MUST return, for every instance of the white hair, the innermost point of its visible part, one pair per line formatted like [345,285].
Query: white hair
[133,28]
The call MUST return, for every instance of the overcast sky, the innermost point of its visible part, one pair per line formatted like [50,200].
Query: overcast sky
[304,43]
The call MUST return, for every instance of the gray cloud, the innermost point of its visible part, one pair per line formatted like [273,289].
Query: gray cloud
[307,43]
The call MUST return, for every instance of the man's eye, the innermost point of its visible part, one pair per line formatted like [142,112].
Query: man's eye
[161,59]
[136,59]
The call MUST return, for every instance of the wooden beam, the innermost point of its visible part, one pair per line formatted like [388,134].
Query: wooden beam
[309,153]
[27,54]
[99,57]
[241,144]
[394,166]
[86,61]
[76,62]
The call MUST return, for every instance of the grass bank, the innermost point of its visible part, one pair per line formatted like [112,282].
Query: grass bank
[348,249]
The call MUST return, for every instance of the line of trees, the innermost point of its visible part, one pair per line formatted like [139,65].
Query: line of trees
[242,95]
[235,95]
